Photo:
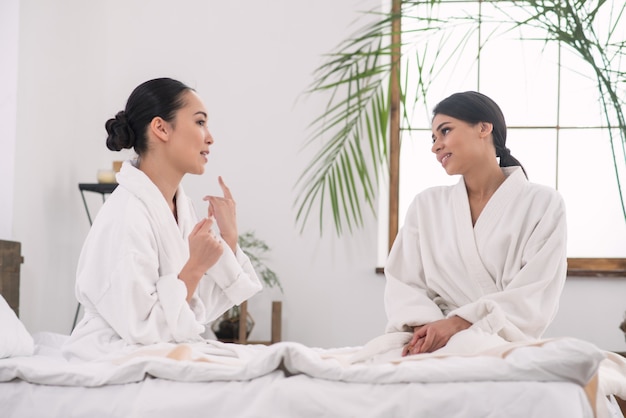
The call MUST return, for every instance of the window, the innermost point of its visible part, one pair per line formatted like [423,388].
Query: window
[549,95]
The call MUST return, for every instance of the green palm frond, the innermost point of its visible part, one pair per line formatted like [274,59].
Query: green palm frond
[352,131]
[573,24]
[343,175]
[344,172]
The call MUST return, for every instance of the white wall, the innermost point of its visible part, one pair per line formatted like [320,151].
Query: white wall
[9,18]
[250,61]
[592,309]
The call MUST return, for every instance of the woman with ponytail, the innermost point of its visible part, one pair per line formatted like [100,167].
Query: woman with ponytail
[487,254]
[150,270]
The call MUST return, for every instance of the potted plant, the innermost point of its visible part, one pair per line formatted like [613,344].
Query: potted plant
[227,327]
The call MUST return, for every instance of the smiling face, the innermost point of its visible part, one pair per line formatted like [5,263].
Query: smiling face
[458,145]
[189,138]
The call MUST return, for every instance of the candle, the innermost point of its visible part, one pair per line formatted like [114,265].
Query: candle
[106,176]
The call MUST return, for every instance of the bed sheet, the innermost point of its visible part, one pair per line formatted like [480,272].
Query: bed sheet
[551,378]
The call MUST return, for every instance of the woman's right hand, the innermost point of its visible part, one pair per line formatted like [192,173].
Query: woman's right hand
[204,251]
[204,247]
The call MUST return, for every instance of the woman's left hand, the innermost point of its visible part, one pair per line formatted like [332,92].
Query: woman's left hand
[223,209]
[430,337]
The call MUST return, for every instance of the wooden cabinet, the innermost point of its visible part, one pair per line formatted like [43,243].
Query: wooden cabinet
[10,261]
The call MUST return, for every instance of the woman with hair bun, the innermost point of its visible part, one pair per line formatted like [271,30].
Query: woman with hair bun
[149,271]
[488,253]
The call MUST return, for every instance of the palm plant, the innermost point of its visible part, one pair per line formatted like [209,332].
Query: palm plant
[370,103]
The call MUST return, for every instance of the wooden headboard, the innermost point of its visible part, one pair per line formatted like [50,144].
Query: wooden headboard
[10,262]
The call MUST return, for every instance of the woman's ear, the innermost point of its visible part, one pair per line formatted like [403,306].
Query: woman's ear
[160,128]
[486,128]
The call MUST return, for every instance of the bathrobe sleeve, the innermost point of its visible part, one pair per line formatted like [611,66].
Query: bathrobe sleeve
[227,283]
[532,280]
[408,301]
[231,281]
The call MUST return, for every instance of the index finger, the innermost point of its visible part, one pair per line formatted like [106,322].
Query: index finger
[199,226]
[418,348]
[225,188]
[406,350]
[428,342]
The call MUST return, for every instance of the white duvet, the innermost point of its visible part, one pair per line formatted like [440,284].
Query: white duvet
[469,357]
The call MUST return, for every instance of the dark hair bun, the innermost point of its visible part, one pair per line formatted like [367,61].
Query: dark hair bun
[121,135]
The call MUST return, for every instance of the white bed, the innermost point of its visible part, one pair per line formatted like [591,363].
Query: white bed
[276,396]
[290,380]
[473,376]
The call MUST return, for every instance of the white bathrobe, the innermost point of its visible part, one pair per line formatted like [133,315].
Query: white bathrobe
[127,276]
[504,275]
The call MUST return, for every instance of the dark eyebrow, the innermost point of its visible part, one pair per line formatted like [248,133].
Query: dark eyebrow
[202,113]
[439,127]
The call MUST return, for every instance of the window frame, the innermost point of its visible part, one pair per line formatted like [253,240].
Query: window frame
[577,267]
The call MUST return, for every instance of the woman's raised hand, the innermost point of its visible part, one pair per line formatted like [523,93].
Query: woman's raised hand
[223,210]
[204,251]
[204,247]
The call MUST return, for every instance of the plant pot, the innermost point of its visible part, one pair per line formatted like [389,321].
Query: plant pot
[227,327]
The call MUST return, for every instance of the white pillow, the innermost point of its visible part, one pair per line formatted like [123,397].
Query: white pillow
[14,338]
